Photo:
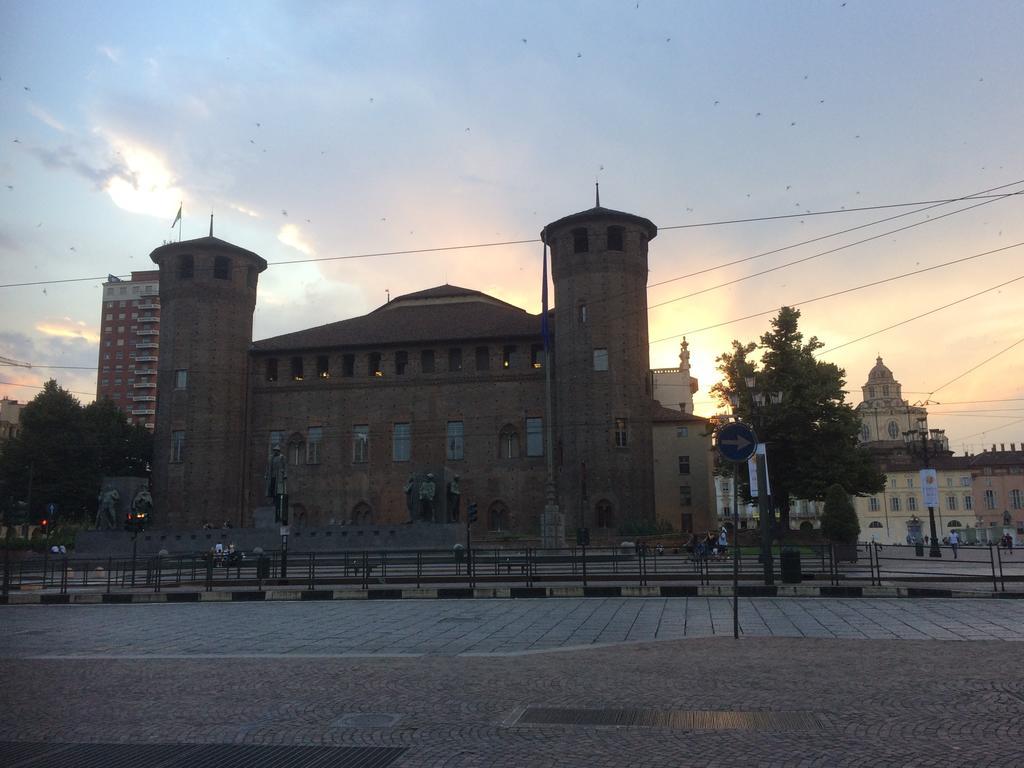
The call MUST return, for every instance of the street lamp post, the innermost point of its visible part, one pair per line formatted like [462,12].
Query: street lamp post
[910,437]
[764,508]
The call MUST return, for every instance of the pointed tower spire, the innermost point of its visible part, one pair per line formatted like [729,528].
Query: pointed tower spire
[211,223]
[597,194]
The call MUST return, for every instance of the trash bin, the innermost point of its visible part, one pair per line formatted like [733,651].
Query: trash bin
[919,548]
[789,562]
[263,567]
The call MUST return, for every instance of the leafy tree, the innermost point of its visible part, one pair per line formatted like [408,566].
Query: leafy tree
[839,519]
[63,451]
[812,433]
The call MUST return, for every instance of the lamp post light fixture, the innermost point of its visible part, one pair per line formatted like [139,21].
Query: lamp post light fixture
[911,437]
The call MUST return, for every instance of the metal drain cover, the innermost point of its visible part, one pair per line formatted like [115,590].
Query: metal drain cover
[51,755]
[690,720]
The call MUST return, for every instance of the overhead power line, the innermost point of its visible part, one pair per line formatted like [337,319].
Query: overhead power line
[983,195]
[983,362]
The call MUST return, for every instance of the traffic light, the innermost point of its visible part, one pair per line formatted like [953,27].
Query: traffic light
[44,526]
[583,537]
[471,513]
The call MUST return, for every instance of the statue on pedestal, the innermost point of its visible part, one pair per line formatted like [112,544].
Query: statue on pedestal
[277,484]
[427,492]
[408,489]
[454,499]
[106,515]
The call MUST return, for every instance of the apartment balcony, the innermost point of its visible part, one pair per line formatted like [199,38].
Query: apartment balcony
[145,371]
[144,398]
[143,411]
[145,385]
[149,319]
[146,358]
[147,332]
[146,345]
[149,305]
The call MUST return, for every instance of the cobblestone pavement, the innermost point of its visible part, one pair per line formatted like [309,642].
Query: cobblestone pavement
[889,682]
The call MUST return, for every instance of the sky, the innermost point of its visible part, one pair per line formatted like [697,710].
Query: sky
[317,131]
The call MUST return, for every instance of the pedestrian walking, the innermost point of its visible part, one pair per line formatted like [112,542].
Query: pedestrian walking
[954,542]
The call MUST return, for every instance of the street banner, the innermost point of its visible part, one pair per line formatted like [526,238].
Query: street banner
[930,487]
[752,471]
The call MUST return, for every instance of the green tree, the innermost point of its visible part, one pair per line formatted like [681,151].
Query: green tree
[63,451]
[839,519]
[812,433]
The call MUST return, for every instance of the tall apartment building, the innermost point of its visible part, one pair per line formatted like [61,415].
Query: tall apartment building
[130,345]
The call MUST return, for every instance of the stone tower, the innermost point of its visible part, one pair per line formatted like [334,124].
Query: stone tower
[603,445]
[208,294]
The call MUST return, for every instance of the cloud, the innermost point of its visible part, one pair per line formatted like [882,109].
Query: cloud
[114,54]
[68,158]
[43,116]
[148,186]
[243,209]
[66,328]
[291,236]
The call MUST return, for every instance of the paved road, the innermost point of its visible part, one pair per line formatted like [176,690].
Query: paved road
[458,683]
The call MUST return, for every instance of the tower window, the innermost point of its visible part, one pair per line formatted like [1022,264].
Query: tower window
[251,276]
[222,268]
[297,369]
[455,359]
[427,361]
[580,241]
[180,378]
[506,355]
[373,360]
[323,367]
[401,362]
[360,443]
[581,313]
[271,369]
[615,238]
[600,359]
[348,365]
[621,433]
[455,447]
[177,446]
[534,436]
[536,355]
[483,358]
[314,437]
[186,267]
[401,442]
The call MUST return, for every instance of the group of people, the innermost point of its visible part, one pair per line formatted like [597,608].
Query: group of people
[226,556]
[714,545]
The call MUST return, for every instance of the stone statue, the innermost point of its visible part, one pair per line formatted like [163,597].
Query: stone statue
[454,499]
[142,504]
[408,489]
[427,492]
[277,474]
[106,515]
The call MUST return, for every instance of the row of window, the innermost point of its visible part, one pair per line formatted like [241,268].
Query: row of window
[399,363]
[221,269]
[614,238]
[991,500]
[896,504]
[965,482]
[308,450]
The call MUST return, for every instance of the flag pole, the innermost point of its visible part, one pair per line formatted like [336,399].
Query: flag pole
[180,204]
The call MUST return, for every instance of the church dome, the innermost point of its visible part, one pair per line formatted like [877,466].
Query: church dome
[880,372]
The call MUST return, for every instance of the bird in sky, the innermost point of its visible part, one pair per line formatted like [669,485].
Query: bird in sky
[257,125]
[579,55]
[17,141]
[524,40]
[26,88]
[284,212]
[757,114]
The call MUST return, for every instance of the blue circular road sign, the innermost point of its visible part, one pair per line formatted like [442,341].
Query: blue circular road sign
[736,442]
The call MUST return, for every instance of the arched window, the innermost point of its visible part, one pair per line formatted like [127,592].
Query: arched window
[954,524]
[508,443]
[296,450]
[222,268]
[498,517]
[580,241]
[615,237]
[361,514]
[894,430]
[875,524]
[605,515]
[186,267]
[865,432]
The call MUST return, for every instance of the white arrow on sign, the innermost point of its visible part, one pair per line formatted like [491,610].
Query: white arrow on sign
[739,442]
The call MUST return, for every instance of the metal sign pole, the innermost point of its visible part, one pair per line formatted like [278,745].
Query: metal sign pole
[735,557]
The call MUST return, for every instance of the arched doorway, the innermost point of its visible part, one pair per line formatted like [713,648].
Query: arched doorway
[604,514]
[362,514]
